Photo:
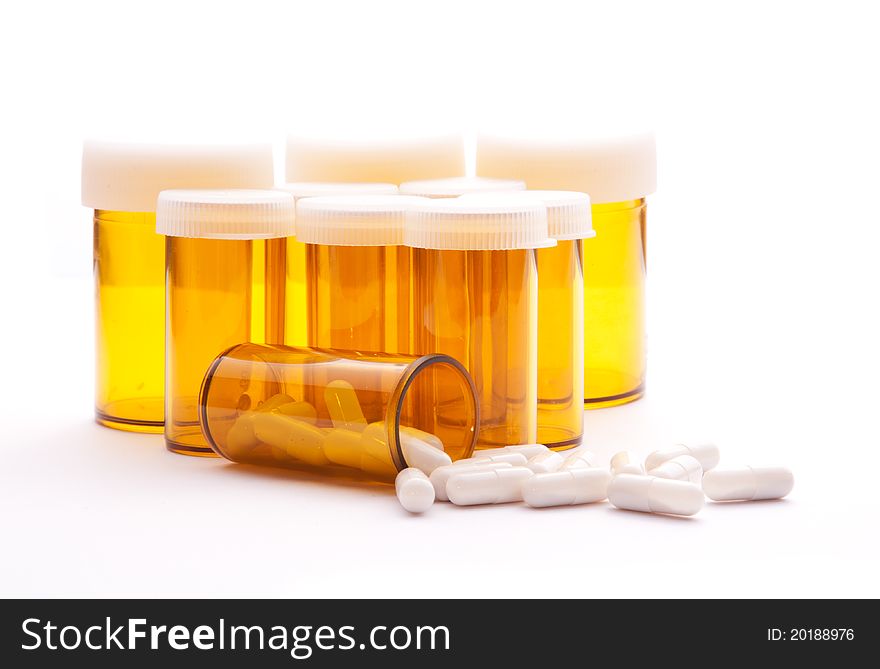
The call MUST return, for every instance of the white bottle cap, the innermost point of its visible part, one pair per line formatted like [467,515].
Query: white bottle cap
[225,214]
[569,215]
[320,188]
[490,224]
[610,169]
[388,160]
[455,186]
[129,177]
[353,220]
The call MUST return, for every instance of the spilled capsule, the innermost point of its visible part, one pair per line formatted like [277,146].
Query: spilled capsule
[747,483]
[498,486]
[581,485]
[528,450]
[680,468]
[650,494]
[580,459]
[626,462]
[546,462]
[515,459]
[440,476]
[706,453]
[414,491]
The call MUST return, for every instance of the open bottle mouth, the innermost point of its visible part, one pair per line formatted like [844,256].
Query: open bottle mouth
[436,395]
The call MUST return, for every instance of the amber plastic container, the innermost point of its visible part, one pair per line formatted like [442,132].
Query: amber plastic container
[121,183]
[476,299]
[560,315]
[358,273]
[342,413]
[295,296]
[617,172]
[224,286]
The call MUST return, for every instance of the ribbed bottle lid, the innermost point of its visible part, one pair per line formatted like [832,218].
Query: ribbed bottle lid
[387,159]
[129,177]
[353,220]
[455,186]
[487,224]
[569,215]
[225,214]
[611,169]
[321,188]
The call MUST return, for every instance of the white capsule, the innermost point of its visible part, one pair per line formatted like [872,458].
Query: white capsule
[295,438]
[344,447]
[747,483]
[343,406]
[422,456]
[528,450]
[655,495]
[626,462]
[515,459]
[580,459]
[427,437]
[546,462]
[498,486]
[441,475]
[707,454]
[581,485]
[414,491]
[680,468]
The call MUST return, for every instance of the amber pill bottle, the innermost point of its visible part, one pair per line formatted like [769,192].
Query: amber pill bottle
[476,299]
[222,288]
[294,250]
[560,316]
[121,182]
[618,172]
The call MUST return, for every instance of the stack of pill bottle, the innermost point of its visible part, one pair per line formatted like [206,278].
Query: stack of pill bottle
[121,182]
[617,173]
[341,412]
[476,300]
[560,315]
[458,186]
[383,159]
[358,273]
[296,306]
[223,287]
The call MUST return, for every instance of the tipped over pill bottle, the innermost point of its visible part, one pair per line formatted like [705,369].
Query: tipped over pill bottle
[346,413]
[121,182]
[358,273]
[617,173]
[458,186]
[560,316]
[222,288]
[296,305]
[379,159]
[476,300]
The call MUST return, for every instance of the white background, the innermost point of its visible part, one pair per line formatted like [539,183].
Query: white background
[763,241]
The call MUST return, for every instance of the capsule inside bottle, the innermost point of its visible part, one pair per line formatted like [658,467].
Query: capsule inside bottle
[343,413]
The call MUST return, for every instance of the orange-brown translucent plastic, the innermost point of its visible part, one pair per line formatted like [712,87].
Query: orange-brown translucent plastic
[560,353]
[343,413]
[129,263]
[481,308]
[614,305]
[219,293]
[359,297]
[296,309]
